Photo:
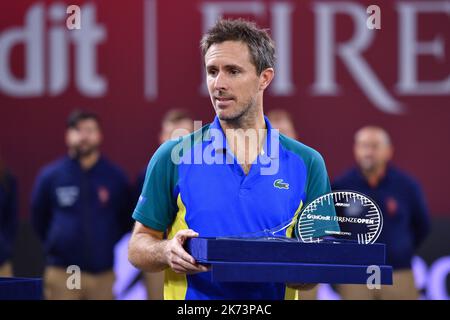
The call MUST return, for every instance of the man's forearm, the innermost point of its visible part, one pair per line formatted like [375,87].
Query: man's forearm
[147,253]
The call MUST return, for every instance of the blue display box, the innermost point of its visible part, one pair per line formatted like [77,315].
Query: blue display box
[20,289]
[263,260]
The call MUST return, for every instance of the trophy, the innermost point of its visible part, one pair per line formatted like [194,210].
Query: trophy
[340,215]
[333,241]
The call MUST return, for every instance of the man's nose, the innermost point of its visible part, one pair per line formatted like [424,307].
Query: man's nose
[84,136]
[220,83]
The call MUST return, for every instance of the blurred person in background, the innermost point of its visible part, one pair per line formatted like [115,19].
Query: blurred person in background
[8,219]
[282,120]
[80,209]
[175,123]
[402,203]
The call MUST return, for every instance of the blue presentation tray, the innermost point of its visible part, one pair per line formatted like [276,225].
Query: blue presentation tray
[262,260]
[20,289]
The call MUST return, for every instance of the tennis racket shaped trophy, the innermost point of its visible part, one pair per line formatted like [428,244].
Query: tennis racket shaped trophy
[340,216]
[332,240]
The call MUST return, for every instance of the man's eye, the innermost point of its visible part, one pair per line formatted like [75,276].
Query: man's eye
[234,71]
[212,72]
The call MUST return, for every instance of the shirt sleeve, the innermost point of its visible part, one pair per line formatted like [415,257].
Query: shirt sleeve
[156,207]
[420,221]
[318,180]
[319,185]
[125,204]
[9,222]
[41,210]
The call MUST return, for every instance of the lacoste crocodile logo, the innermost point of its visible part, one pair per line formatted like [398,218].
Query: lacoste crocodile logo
[280,184]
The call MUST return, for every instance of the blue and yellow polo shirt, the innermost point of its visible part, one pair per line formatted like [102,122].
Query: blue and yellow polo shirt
[196,183]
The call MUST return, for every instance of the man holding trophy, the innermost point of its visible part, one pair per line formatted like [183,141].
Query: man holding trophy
[235,176]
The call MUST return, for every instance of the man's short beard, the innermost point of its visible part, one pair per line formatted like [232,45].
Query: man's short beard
[241,116]
[371,168]
[79,153]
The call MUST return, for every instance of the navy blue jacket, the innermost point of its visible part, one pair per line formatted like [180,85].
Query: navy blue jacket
[405,215]
[8,216]
[80,215]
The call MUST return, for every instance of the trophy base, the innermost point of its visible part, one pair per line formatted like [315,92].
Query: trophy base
[270,260]
[296,273]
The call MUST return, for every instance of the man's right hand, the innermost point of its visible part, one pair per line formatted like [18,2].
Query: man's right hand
[177,258]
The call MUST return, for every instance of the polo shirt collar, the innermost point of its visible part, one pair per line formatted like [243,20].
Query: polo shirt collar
[219,142]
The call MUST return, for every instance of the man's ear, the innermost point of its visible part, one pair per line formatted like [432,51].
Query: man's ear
[101,137]
[265,78]
[390,152]
[66,137]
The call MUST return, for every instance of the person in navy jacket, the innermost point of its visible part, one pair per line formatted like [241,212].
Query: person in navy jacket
[402,203]
[8,219]
[80,209]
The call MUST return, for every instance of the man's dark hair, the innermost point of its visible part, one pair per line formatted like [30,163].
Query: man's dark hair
[76,116]
[260,45]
